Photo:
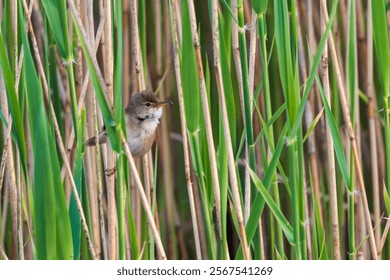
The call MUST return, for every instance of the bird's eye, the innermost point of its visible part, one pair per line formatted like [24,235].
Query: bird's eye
[147,104]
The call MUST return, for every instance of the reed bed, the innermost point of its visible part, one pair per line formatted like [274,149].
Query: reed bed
[277,146]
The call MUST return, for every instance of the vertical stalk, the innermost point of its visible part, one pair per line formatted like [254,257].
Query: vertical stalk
[330,154]
[140,81]
[15,193]
[247,95]
[252,60]
[190,191]
[229,148]
[10,172]
[94,158]
[351,135]
[311,143]
[262,29]
[108,55]
[207,118]
[144,199]
[120,194]
[164,56]
[371,123]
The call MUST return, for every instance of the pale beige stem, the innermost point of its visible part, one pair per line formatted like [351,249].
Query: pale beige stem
[360,226]
[108,57]
[136,46]
[2,253]
[144,199]
[347,119]
[18,186]
[4,157]
[384,237]
[308,119]
[10,171]
[207,118]
[225,120]
[184,135]
[251,74]
[371,123]
[311,139]
[330,151]
[92,159]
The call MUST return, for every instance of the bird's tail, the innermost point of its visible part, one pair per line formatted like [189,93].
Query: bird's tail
[93,140]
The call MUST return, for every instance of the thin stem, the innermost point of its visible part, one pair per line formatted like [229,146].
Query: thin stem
[384,236]
[347,119]
[330,153]
[225,120]
[184,135]
[371,123]
[207,118]
[252,60]
[144,199]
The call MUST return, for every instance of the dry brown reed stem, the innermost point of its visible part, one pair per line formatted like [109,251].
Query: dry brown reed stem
[158,37]
[361,230]
[308,118]
[14,183]
[2,253]
[384,237]
[136,46]
[351,134]
[18,186]
[237,62]
[8,158]
[14,24]
[4,213]
[371,124]
[144,199]
[91,52]
[163,61]
[4,156]
[207,118]
[311,139]
[57,131]
[229,149]
[251,75]
[164,143]
[183,126]
[94,43]
[108,58]
[167,174]
[10,172]
[330,151]
[98,223]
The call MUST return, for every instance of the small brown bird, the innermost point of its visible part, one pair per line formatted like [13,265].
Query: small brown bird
[142,116]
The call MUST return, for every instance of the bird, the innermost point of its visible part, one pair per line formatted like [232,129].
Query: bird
[142,117]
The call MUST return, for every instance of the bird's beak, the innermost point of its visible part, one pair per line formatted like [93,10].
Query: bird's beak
[164,103]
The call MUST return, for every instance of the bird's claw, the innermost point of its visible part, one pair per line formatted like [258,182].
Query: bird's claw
[110,171]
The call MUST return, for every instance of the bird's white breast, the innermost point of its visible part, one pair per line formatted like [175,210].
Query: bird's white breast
[142,133]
